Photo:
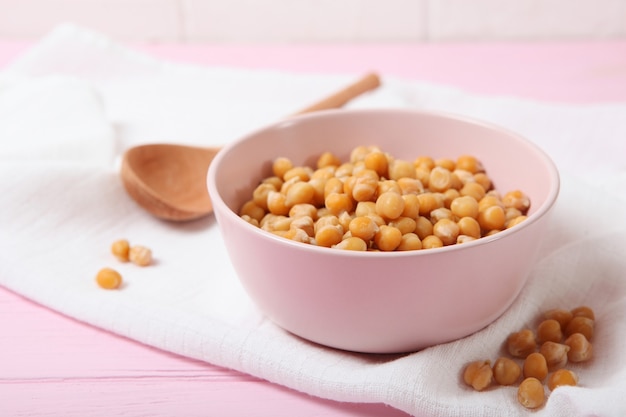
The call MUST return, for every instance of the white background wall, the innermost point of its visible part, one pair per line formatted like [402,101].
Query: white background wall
[320,20]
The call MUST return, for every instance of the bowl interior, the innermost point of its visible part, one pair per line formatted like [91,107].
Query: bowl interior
[511,161]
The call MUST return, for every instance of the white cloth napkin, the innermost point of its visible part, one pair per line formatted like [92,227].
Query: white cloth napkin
[76,100]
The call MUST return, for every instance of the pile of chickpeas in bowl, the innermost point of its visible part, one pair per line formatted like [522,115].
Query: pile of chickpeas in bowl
[377,202]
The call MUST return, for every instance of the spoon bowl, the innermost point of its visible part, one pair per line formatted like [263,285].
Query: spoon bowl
[169,181]
[162,178]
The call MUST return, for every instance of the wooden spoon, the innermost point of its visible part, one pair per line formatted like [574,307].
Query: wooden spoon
[169,181]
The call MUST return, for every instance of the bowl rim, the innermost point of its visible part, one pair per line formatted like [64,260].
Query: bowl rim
[542,210]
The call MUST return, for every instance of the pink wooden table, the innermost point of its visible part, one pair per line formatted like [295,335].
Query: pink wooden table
[52,365]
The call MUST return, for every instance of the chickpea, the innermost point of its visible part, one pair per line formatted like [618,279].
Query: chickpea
[464,239]
[404,224]
[388,238]
[274,222]
[464,206]
[431,242]
[304,223]
[333,185]
[328,159]
[378,162]
[344,220]
[388,185]
[560,315]
[140,255]
[446,163]
[288,183]
[536,366]
[562,377]
[358,153]
[555,354]
[274,181]
[449,196]
[344,170]
[489,201]
[464,176]
[365,185]
[318,184]
[580,349]
[377,219]
[516,199]
[299,193]
[511,213]
[478,375]
[482,179]
[428,202]
[425,162]
[352,243]
[260,193]
[297,234]
[584,311]
[363,208]
[441,213]
[423,227]
[522,343]
[506,371]
[469,226]
[492,218]
[363,227]
[298,174]
[423,175]
[328,220]
[410,241]
[109,279]
[329,235]
[390,205]
[473,189]
[120,249]
[323,211]
[281,166]
[447,231]
[549,330]
[580,324]
[303,210]
[338,203]
[440,179]
[531,393]
[401,169]
[411,206]
[514,222]
[277,203]
[250,209]
[250,220]
[469,163]
[410,186]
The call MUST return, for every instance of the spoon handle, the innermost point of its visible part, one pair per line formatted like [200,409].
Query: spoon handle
[340,98]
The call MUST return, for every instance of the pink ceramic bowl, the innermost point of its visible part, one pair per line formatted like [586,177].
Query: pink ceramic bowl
[373,301]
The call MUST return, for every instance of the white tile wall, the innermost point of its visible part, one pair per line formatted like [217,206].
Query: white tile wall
[304,20]
[125,19]
[526,19]
[320,20]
